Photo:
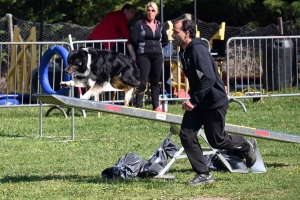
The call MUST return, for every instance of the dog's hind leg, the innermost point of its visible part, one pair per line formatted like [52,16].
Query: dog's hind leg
[128,89]
[128,95]
[130,77]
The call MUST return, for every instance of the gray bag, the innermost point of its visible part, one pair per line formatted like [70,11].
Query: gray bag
[132,165]
[128,166]
[155,164]
[215,164]
[170,148]
[159,160]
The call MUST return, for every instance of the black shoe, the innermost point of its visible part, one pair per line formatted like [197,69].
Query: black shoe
[250,156]
[200,179]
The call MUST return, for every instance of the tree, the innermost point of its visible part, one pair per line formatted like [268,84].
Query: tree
[90,12]
[265,12]
[81,12]
[242,12]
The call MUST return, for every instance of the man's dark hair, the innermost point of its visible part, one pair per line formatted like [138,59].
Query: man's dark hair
[189,25]
[128,7]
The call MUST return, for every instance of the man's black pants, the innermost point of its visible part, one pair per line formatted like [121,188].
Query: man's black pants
[214,123]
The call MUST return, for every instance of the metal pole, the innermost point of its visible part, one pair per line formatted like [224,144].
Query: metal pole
[41,28]
[162,11]
[42,20]
[195,11]
[163,64]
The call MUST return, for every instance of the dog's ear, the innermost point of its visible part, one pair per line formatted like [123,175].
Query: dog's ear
[94,54]
[71,52]
[83,51]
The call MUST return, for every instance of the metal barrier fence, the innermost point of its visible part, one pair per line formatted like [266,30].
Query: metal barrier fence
[19,69]
[20,78]
[258,67]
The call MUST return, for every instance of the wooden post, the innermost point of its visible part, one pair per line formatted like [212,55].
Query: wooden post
[10,26]
[19,70]
[280,25]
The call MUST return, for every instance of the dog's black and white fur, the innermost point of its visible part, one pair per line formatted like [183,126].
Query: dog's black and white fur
[95,68]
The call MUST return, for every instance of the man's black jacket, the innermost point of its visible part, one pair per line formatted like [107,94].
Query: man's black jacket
[206,87]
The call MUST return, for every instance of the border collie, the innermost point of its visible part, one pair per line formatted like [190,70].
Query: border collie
[96,68]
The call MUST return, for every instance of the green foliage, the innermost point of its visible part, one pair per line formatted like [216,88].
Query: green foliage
[252,25]
[90,12]
[241,12]
[242,4]
[283,8]
[56,28]
[82,12]
[297,23]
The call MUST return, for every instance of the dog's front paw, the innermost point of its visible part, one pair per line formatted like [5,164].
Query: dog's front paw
[65,84]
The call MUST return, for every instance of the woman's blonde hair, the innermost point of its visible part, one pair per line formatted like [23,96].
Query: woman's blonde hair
[153,5]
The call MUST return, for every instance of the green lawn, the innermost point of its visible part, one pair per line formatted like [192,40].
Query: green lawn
[54,168]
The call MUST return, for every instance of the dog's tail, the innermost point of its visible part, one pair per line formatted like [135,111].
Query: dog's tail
[138,89]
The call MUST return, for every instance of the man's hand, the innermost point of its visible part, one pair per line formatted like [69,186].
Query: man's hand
[186,105]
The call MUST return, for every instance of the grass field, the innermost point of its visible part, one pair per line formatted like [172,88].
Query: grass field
[52,168]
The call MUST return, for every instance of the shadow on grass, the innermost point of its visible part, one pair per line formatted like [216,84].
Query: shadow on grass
[55,138]
[99,179]
[275,165]
[14,136]
[33,178]
[76,178]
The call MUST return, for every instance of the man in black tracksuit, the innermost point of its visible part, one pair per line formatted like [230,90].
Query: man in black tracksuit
[207,105]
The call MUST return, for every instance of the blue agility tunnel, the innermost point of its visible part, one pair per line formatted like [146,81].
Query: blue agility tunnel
[44,69]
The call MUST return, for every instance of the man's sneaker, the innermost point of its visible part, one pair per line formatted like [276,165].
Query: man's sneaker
[201,179]
[250,156]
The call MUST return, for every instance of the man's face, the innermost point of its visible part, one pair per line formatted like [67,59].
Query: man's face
[179,35]
[129,13]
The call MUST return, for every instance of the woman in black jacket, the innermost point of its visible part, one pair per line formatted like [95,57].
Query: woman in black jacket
[148,37]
